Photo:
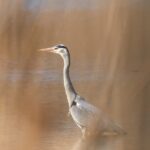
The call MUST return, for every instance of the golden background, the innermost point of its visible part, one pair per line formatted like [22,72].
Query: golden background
[109,42]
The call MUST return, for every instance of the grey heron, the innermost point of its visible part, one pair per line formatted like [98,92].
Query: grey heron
[86,116]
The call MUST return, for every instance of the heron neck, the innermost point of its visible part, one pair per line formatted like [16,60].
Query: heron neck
[69,89]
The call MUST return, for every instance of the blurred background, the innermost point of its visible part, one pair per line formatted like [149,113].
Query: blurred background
[110,66]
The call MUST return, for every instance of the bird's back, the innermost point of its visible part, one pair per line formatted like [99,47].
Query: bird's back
[88,116]
[83,112]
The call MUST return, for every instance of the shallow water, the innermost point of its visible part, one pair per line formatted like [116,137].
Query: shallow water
[110,58]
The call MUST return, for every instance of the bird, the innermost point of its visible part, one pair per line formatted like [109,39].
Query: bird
[89,118]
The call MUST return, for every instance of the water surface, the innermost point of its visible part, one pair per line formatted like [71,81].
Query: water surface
[110,58]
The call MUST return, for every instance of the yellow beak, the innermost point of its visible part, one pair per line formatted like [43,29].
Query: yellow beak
[50,49]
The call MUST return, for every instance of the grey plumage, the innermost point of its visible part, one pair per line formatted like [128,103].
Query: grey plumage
[88,117]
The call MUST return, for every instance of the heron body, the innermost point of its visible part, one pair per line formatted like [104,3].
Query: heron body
[86,116]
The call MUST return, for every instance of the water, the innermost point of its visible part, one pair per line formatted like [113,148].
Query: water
[110,58]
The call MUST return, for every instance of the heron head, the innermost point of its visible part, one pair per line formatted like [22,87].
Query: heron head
[58,49]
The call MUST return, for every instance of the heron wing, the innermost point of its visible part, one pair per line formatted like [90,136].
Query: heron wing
[86,106]
[84,112]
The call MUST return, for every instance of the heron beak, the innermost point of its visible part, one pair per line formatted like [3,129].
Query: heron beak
[50,49]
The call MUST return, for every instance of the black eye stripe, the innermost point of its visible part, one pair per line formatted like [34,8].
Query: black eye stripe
[61,46]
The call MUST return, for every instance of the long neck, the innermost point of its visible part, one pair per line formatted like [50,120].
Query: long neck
[69,89]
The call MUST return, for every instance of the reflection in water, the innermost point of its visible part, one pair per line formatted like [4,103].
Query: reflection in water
[102,143]
[110,46]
